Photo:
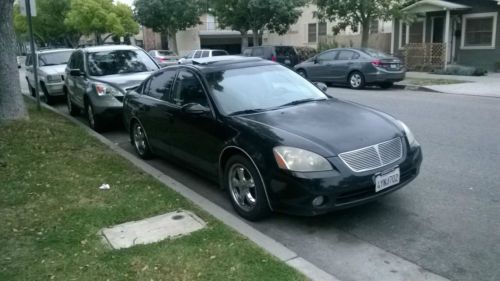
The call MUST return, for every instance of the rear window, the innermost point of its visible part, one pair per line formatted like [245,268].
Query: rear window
[166,53]
[54,58]
[376,53]
[219,53]
[285,51]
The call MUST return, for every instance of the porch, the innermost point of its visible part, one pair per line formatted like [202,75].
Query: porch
[427,37]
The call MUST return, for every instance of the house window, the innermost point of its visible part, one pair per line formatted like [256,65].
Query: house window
[311,33]
[416,32]
[479,31]
[322,29]
[374,26]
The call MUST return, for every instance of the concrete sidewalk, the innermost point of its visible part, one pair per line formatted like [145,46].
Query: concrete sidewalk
[486,86]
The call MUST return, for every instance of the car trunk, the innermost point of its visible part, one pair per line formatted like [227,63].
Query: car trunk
[390,64]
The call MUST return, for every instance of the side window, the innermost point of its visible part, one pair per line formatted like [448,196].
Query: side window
[188,89]
[189,55]
[328,56]
[219,53]
[197,54]
[355,56]
[205,54]
[79,61]
[71,61]
[247,52]
[159,85]
[345,55]
[28,60]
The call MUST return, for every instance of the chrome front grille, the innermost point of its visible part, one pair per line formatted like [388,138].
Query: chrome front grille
[373,157]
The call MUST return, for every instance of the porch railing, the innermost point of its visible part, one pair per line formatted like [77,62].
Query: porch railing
[424,56]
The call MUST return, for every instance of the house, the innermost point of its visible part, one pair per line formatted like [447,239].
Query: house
[439,33]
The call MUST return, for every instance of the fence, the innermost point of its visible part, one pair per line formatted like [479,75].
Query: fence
[424,56]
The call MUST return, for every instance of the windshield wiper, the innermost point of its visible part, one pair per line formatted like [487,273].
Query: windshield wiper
[296,102]
[247,111]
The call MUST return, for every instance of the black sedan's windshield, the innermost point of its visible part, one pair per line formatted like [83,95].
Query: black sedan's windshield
[260,88]
[119,62]
[54,58]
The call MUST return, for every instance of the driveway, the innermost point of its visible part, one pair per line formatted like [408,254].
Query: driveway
[445,222]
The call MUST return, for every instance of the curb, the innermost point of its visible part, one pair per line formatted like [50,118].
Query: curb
[414,88]
[267,243]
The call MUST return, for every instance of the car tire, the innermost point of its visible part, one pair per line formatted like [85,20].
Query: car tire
[245,188]
[94,120]
[386,85]
[302,73]
[139,140]
[356,80]
[72,108]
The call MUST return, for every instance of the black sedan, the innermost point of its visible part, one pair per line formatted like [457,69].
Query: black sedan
[272,139]
[353,67]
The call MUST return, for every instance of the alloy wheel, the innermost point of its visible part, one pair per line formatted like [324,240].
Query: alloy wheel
[139,138]
[242,187]
[355,80]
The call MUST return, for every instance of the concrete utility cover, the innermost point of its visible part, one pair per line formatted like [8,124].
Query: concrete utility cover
[151,230]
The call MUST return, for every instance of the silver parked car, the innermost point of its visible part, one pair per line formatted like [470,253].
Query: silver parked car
[164,57]
[204,53]
[353,67]
[51,65]
[97,78]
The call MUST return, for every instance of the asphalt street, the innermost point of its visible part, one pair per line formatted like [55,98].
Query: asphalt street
[446,222]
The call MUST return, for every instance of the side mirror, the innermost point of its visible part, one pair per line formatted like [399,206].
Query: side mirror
[75,72]
[195,109]
[322,86]
[315,60]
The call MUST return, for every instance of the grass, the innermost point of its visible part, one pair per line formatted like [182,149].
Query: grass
[429,82]
[51,211]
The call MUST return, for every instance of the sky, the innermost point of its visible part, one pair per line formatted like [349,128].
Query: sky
[128,2]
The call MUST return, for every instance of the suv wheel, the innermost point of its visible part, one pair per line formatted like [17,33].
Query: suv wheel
[245,188]
[48,98]
[356,80]
[302,73]
[72,108]
[94,120]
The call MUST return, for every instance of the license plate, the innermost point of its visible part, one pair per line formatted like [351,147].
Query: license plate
[386,180]
[288,62]
[394,66]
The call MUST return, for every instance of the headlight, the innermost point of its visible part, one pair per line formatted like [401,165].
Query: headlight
[408,133]
[54,78]
[300,160]
[103,89]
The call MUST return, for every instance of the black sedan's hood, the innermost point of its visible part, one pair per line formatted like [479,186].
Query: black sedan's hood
[335,126]
[123,81]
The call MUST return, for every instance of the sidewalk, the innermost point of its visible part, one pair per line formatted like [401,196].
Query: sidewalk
[488,86]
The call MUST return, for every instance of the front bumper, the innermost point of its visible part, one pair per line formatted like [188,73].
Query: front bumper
[55,89]
[293,193]
[108,106]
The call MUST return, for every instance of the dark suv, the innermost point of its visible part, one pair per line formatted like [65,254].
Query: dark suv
[285,55]
[98,77]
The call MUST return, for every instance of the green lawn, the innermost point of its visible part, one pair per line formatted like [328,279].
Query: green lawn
[430,82]
[51,211]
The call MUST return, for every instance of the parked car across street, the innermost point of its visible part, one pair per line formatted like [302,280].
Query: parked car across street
[204,53]
[353,67]
[164,57]
[51,65]
[97,79]
[285,55]
[271,138]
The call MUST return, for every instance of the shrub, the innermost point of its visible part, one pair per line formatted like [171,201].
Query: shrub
[461,70]
[305,53]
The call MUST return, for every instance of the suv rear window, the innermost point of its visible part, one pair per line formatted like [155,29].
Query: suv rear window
[285,51]
[219,53]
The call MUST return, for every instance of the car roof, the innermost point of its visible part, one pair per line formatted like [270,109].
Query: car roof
[48,51]
[218,63]
[108,48]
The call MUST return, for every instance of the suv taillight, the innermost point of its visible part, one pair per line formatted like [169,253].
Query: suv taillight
[273,58]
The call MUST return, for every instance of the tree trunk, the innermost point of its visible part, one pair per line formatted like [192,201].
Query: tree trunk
[97,38]
[172,41]
[255,36]
[365,33]
[11,101]
[244,40]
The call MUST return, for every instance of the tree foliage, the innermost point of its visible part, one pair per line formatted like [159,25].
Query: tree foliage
[99,17]
[168,16]
[47,25]
[258,15]
[354,12]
